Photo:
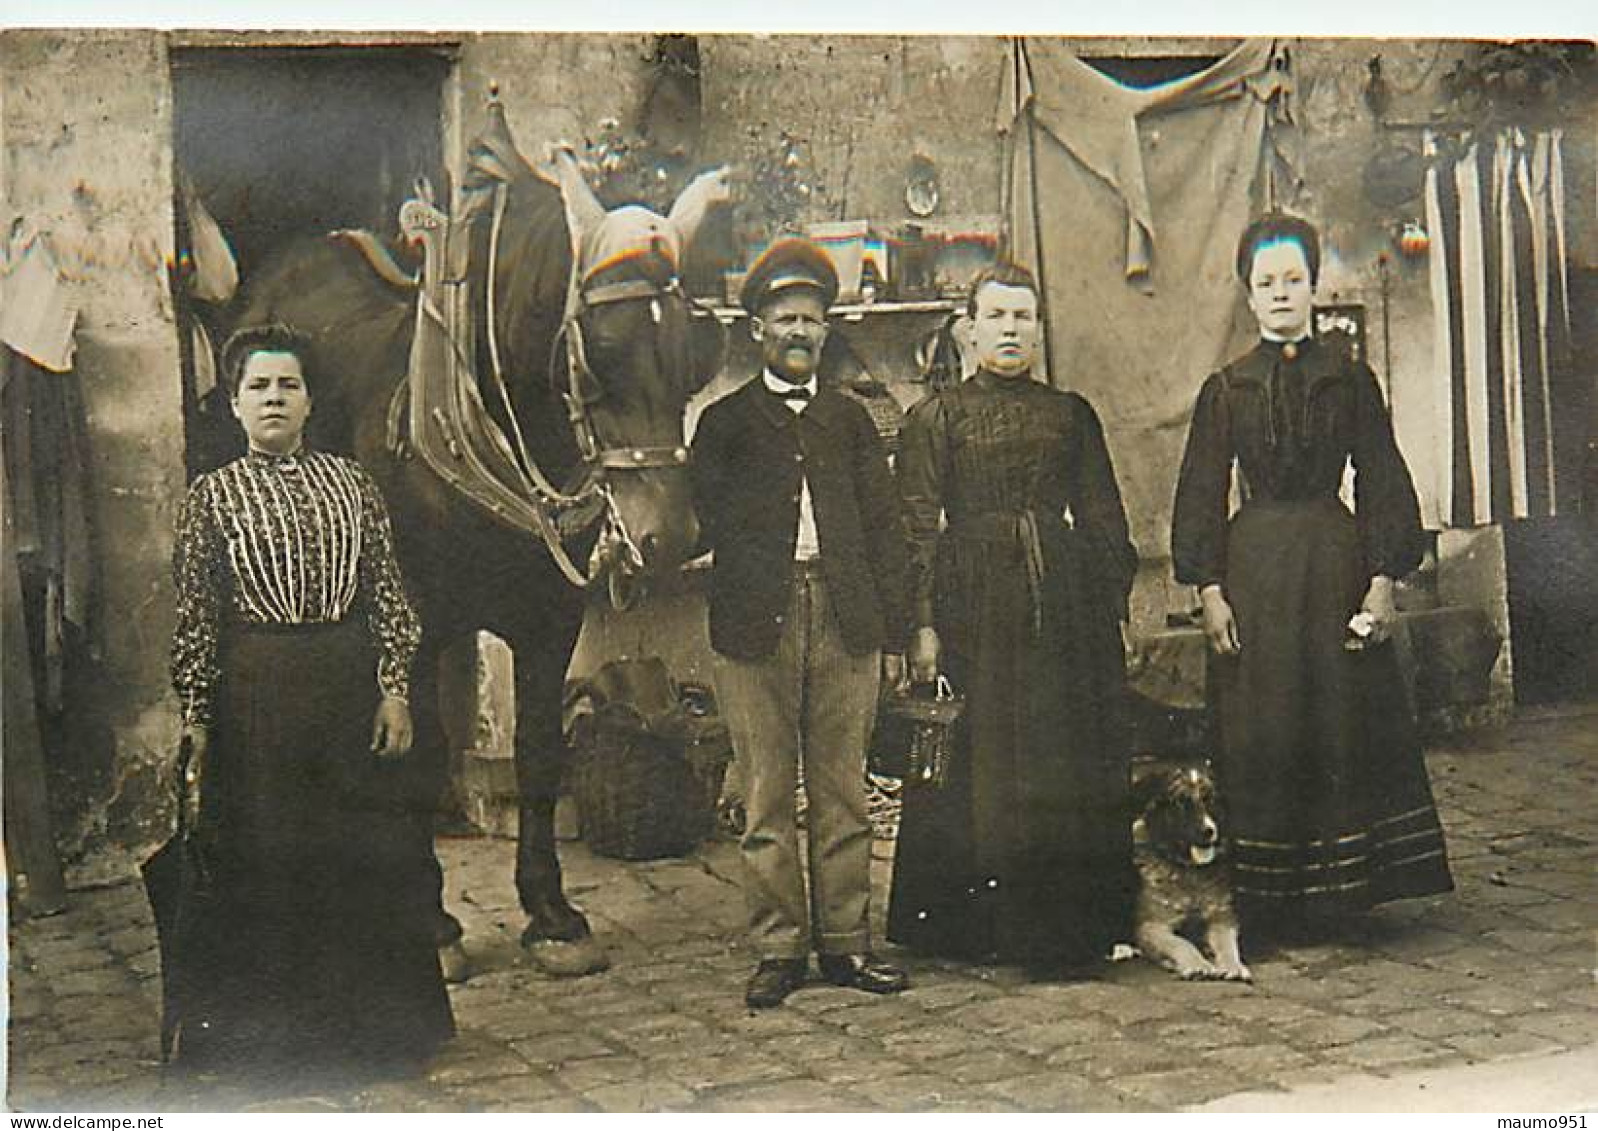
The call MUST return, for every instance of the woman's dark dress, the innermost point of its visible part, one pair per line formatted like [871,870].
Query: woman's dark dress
[313,957]
[1024,854]
[1329,804]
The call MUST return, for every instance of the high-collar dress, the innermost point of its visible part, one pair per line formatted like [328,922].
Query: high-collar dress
[1023,564]
[312,952]
[1328,800]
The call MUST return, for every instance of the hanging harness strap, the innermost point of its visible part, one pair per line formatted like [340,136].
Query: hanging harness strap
[448,424]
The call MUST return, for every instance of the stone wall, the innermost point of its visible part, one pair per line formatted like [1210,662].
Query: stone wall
[86,132]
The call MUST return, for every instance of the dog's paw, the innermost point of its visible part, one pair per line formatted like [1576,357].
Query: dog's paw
[1235,972]
[1196,971]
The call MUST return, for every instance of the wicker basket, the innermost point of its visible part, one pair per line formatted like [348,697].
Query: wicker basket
[914,739]
[648,765]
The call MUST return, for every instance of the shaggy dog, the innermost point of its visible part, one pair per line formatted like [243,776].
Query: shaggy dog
[1183,880]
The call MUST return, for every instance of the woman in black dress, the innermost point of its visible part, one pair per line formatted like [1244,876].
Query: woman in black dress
[311,958]
[1024,855]
[1330,807]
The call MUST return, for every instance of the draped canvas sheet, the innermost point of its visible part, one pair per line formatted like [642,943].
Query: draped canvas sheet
[1129,203]
[1508,405]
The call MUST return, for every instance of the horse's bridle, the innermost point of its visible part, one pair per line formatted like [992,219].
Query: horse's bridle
[616,555]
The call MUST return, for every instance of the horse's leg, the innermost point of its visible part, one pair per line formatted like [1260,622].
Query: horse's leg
[557,935]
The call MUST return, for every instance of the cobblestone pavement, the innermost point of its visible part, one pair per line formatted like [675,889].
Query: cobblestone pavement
[1504,968]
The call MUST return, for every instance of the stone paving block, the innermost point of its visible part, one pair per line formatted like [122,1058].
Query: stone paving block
[948,993]
[794,1094]
[56,964]
[1188,1032]
[1437,1023]
[555,1105]
[1585,997]
[877,1019]
[928,1043]
[985,1106]
[639,1096]
[98,982]
[1268,1009]
[695,948]
[1268,1061]
[511,1020]
[557,1049]
[1059,1091]
[1498,999]
[802,1050]
[1178,1088]
[583,1076]
[1528,942]
[1568,1028]
[1114,1059]
[1000,1015]
[455,1068]
[765,1022]
[1490,1045]
[1332,1032]
[1386,1052]
[863,1069]
[908,1091]
[1174,998]
[732,1066]
[1047,1036]
[985,1066]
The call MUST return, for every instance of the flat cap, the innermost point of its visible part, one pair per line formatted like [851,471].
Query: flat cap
[786,264]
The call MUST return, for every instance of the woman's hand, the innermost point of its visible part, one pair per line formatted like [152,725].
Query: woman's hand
[1378,610]
[191,773]
[1220,625]
[391,728]
[923,655]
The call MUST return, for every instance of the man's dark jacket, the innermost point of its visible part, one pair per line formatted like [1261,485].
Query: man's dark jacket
[748,455]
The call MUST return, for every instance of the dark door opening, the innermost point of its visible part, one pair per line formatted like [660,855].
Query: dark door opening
[281,143]
[1552,563]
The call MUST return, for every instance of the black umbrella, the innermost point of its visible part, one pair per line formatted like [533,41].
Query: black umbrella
[177,882]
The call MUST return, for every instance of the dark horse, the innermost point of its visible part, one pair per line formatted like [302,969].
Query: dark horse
[637,366]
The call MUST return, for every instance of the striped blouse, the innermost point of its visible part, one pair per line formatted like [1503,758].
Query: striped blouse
[270,540]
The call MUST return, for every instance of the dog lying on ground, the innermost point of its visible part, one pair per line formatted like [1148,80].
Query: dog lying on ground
[1183,882]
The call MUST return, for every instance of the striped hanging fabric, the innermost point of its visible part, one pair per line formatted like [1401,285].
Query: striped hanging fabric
[1503,380]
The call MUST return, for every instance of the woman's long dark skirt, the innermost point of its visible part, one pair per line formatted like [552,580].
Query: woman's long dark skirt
[1329,803]
[1024,855]
[314,957]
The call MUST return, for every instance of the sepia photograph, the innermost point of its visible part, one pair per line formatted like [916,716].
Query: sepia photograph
[798,567]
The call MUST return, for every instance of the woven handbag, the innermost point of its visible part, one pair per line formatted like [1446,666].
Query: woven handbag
[914,737]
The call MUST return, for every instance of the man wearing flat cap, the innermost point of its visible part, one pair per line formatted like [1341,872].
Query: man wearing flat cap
[808,613]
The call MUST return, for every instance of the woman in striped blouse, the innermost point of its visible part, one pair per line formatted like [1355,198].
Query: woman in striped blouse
[291,660]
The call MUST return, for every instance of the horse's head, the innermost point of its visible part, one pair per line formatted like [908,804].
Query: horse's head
[636,348]
[622,345]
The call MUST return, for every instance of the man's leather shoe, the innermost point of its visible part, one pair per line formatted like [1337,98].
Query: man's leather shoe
[863,972]
[773,980]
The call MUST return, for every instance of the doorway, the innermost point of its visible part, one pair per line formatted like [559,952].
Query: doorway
[283,143]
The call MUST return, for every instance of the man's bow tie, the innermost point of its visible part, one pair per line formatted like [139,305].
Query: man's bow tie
[791,393]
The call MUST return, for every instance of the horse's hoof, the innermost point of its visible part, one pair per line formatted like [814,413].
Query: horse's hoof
[567,959]
[453,963]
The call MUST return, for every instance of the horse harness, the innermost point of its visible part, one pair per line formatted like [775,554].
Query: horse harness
[449,426]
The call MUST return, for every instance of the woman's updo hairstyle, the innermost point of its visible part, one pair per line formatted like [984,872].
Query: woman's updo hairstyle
[272,337]
[1274,228]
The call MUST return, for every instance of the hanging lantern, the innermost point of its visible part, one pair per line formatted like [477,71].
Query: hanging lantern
[1413,240]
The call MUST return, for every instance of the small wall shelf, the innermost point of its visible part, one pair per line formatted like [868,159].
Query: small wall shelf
[857,311]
